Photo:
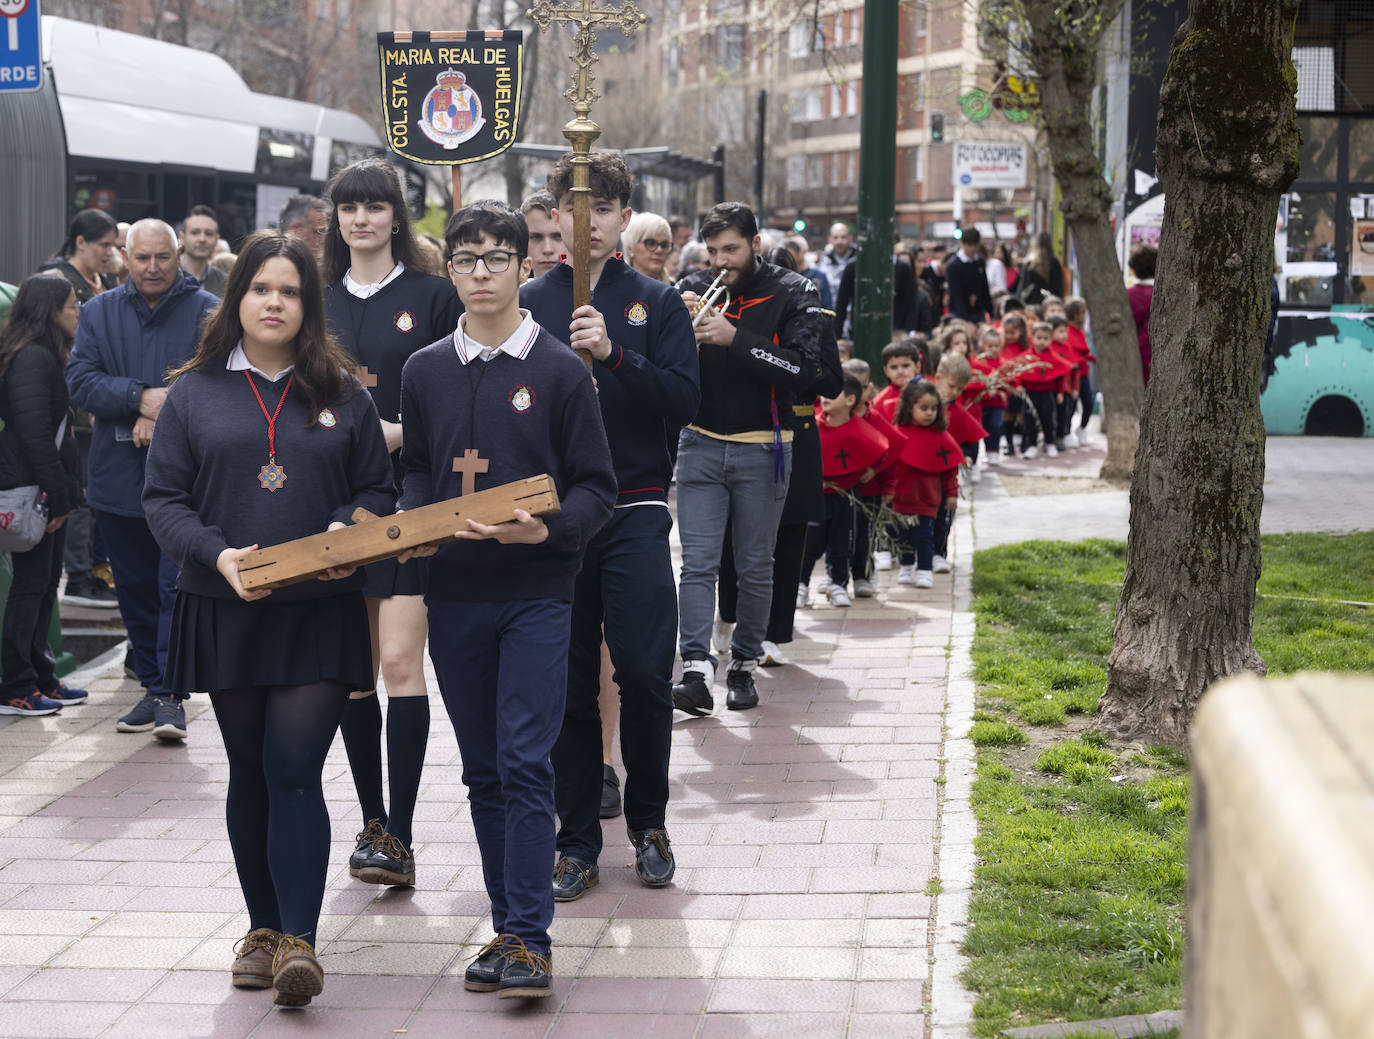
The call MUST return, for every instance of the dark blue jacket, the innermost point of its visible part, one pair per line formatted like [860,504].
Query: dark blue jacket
[123,348]
[650,385]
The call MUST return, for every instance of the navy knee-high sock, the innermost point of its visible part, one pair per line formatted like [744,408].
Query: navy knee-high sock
[362,735]
[407,734]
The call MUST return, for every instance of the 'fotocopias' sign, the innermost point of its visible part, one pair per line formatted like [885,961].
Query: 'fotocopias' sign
[450,97]
[989,164]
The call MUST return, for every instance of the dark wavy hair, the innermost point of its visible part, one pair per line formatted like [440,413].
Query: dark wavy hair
[369,180]
[90,224]
[322,366]
[33,318]
[914,391]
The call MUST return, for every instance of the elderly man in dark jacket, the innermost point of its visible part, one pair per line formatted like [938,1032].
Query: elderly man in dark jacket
[127,340]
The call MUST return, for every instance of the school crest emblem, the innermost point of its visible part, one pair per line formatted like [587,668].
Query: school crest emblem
[452,112]
[327,419]
[404,321]
[636,314]
[521,399]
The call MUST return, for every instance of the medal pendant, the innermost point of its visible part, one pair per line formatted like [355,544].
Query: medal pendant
[271,476]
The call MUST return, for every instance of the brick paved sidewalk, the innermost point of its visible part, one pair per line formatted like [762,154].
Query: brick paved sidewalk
[804,832]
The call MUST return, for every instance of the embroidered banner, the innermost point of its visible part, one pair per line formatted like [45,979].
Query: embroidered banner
[450,97]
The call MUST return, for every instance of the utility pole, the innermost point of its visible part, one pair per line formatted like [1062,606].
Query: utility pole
[877,182]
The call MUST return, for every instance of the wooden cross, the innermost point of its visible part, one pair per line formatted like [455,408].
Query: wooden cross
[366,377]
[581,131]
[470,465]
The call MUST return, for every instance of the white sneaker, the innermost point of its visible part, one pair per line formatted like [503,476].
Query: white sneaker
[863,589]
[803,596]
[1051,451]
[941,565]
[772,655]
[907,575]
[882,560]
[990,458]
[1030,453]
[1085,438]
[720,637]
[838,596]
[925,579]
[975,474]
[1071,439]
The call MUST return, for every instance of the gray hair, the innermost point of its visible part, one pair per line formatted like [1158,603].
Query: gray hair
[640,225]
[298,209]
[693,253]
[151,225]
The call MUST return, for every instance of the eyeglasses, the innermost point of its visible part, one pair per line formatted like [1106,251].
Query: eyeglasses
[496,262]
[654,244]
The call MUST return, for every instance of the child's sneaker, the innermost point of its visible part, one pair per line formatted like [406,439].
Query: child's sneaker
[975,474]
[1071,439]
[882,560]
[1051,451]
[1031,453]
[838,596]
[907,575]
[940,565]
[34,704]
[863,589]
[925,579]
[991,459]
[66,695]
[720,638]
[803,596]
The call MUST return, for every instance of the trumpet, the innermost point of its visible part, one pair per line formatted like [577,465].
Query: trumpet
[710,298]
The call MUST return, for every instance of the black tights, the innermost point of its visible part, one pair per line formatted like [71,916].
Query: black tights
[277,738]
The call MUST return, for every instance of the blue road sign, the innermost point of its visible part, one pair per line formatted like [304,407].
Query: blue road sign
[21,57]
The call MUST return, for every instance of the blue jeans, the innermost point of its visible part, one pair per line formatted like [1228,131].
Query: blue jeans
[992,422]
[503,673]
[146,586]
[720,481]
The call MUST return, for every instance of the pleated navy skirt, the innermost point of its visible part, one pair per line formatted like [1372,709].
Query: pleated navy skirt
[228,643]
[386,577]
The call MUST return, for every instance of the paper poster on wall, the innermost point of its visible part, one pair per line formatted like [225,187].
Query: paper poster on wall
[1362,247]
[1145,234]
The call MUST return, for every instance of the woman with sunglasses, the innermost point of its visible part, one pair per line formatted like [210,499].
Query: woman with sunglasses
[645,243]
[383,308]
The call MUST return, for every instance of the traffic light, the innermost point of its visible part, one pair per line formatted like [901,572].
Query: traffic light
[799,224]
[937,126]
[958,232]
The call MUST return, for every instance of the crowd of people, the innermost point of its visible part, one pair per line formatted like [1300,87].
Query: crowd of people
[345,361]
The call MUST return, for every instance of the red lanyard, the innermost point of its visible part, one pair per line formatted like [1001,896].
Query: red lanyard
[272,418]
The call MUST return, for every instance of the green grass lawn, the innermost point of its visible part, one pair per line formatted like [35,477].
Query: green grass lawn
[1079,896]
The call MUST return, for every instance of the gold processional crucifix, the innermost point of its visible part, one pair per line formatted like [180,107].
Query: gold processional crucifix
[581,131]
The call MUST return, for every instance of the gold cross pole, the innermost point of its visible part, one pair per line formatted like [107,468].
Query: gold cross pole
[581,131]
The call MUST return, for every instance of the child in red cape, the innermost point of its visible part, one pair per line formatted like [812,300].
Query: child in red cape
[901,364]
[1076,310]
[1015,342]
[991,403]
[925,478]
[1045,385]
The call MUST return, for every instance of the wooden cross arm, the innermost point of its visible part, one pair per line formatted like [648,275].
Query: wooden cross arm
[372,538]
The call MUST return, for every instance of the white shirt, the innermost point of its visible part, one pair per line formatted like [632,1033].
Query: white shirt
[238,362]
[518,345]
[364,291]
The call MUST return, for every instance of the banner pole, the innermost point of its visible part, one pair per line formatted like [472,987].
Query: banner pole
[457,187]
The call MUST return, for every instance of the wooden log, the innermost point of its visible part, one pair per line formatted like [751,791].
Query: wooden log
[371,538]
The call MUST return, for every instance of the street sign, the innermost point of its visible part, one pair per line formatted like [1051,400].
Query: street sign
[989,164]
[21,57]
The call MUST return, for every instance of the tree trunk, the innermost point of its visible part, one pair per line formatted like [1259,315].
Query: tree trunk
[1227,148]
[1064,55]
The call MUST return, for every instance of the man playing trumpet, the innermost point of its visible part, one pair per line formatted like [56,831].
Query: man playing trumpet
[757,352]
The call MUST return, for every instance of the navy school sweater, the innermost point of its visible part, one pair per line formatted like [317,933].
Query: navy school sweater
[202,494]
[382,331]
[650,385]
[527,416]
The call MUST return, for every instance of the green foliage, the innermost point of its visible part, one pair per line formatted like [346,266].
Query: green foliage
[995,734]
[1079,898]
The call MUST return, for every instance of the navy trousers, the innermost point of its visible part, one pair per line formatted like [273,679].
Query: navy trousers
[503,672]
[625,589]
[146,585]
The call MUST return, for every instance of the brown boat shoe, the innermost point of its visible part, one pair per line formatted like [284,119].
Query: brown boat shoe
[253,958]
[296,974]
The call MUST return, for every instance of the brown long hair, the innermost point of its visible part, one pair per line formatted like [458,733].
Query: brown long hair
[33,318]
[322,366]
